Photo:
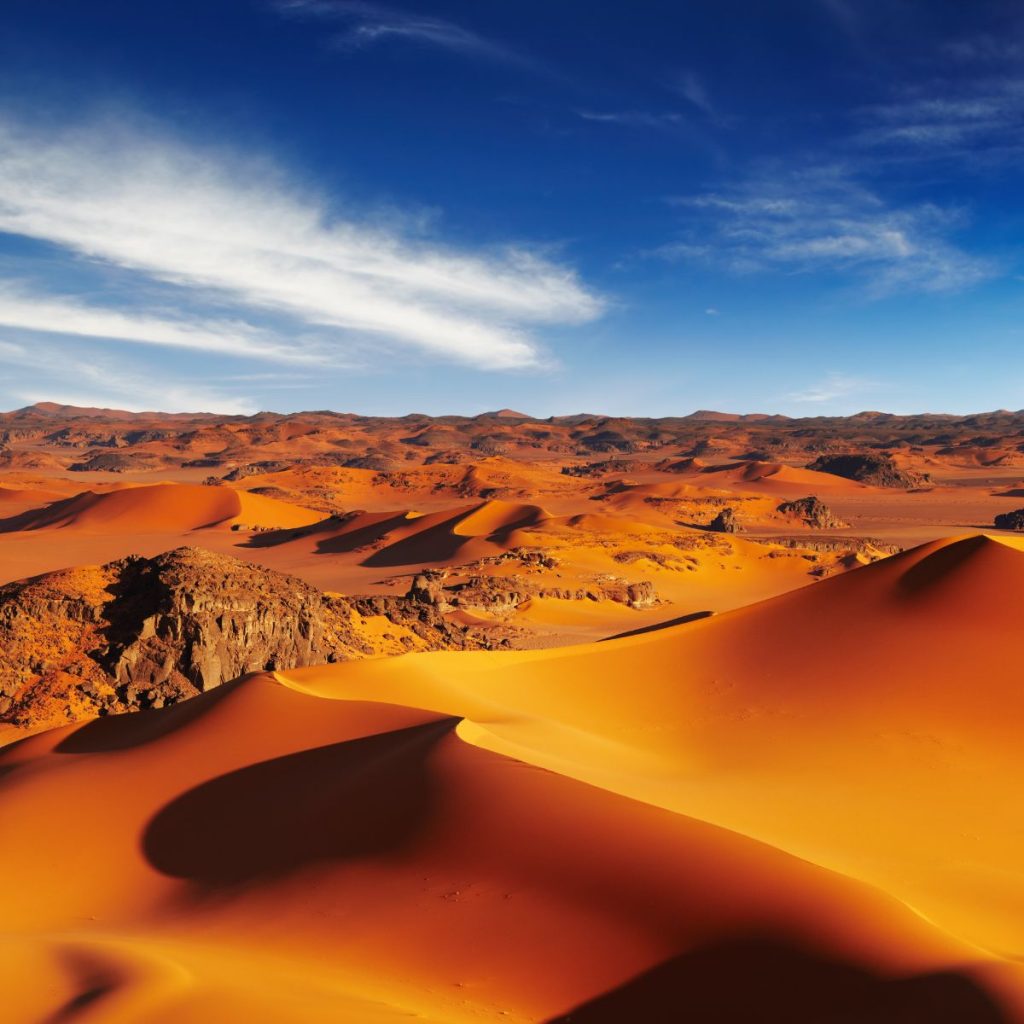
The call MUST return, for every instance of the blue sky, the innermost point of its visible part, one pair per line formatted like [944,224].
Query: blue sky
[808,207]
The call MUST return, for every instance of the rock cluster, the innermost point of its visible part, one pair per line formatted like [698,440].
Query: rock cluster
[814,512]
[725,522]
[876,470]
[1011,521]
[499,596]
[145,632]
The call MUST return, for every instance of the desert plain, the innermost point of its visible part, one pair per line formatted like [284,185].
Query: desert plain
[325,717]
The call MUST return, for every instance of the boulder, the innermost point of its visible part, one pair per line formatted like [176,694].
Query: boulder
[814,512]
[725,522]
[1011,521]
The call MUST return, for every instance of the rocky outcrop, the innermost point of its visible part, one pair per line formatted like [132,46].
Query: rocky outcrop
[876,470]
[1011,521]
[115,462]
[725,522]
[814,512]
[145,632]
[499,596]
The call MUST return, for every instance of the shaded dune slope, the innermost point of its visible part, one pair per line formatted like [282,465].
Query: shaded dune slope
[410,538]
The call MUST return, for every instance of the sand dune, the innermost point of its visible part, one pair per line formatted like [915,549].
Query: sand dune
[414,538]
[802,810]
[798,721]
[160,508]
[775,478]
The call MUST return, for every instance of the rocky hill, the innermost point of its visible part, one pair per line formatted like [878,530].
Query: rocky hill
[876,470]
[100,440]
[141,632]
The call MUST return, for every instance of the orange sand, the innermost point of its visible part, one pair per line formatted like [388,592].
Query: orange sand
[802,810]
[164,507]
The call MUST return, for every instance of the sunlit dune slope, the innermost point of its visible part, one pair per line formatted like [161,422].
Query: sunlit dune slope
[802,810]
[366,862]
[869,723]
[163,508]
[772,478]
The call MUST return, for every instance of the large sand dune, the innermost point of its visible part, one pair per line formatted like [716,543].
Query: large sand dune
[804,810]
[160,508]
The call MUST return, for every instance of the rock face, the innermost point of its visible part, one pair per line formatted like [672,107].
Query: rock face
[436,594]
[144,632]
[725,522]
[1011,521]
[877,470]
[814,512]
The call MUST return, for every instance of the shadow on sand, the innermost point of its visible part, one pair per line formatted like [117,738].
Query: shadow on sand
[350,799]
[743,981]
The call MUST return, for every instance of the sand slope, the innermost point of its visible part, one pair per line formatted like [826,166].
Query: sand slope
[802,810]
[768,478]
[158,508]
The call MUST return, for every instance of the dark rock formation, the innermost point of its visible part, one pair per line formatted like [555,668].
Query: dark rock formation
[814,512]
[877,470]
[725,522]
[145,632]
[115,462]
[498,596]
[1011,521]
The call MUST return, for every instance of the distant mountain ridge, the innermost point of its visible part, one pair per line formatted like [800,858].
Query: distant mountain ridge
[55,410]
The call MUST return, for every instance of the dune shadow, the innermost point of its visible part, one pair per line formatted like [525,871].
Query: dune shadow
[440,542]
[30,519]
[436,543]
[653,627]
[939,564]
[94,982]
[124,731]
[333,541]
[275,538]
[346,800]
[743,981]
[362,537]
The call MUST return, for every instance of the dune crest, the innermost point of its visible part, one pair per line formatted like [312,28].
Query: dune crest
[163,507]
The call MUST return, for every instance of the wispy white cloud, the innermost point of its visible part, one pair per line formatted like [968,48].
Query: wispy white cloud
[975,119]
[832,386]
[635,118]
[691,87]
[27,309]
[217,230]
[984,48]
[821,221]
[54,373]
[366,24]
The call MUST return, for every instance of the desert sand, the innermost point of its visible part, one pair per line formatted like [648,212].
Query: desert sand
[635,767]
[771,821]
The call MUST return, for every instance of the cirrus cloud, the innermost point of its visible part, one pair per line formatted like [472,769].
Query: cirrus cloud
[255,266]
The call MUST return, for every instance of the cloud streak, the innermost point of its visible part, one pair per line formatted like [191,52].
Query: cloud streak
[56,373]
[635,118]
[229,232]
[976,120]
[27,309]
[822,222]
[369,24]
[833,386]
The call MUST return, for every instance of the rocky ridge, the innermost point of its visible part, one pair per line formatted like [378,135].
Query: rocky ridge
[145,632]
